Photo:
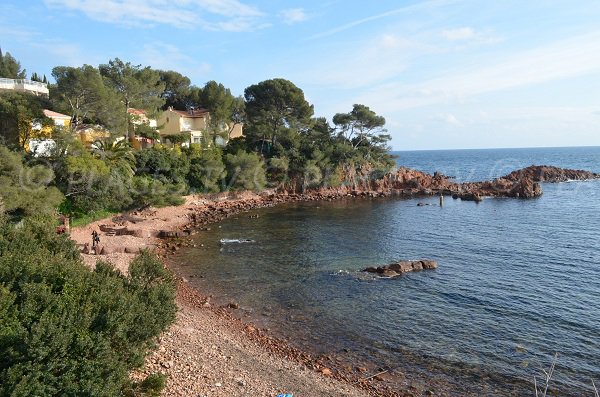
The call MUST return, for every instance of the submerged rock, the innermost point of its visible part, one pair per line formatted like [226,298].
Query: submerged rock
[396,269]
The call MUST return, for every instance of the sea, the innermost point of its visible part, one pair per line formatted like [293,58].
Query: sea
[517,288]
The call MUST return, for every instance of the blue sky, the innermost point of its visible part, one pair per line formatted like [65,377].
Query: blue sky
[446,74]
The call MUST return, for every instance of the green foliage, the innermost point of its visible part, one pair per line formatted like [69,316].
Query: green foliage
[178,92]
[10,68]
[273,107]
[221,104]
[150,191]
[24,190]
[85,219]
[92,183]
[206,170]
[149,387]
[168,165]
[66,330]
[18,112]
[362,126]
[82,93]
[245,171]
[137,86]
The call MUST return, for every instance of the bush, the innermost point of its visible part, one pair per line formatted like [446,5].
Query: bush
[66,330]
[206,170]
[24,190]
[167,165]
[245,171]
[150,191]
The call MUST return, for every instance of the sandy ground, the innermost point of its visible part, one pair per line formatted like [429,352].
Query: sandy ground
[205,352]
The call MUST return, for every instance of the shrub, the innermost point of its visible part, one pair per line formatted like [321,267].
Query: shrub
[206,170]
[24,190]
[245,171]
[66,330]
[149,191]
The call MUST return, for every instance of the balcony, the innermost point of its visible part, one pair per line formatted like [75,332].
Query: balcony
[22,85]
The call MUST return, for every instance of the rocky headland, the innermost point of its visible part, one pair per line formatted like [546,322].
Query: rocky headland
[523,183]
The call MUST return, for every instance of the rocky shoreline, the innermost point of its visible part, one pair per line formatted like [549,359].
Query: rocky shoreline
[165,230]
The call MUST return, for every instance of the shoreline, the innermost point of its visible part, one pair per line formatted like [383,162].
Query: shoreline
[164,230]
[318,376]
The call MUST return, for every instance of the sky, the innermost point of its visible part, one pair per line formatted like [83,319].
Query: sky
[446,74]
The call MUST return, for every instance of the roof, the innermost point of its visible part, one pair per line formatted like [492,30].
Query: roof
[51,114]
[196,113]
[136,112]
[90,127]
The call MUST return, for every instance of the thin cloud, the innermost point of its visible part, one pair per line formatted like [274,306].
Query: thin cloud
[573,57]
[166,56]
[293,15]
[222,15]
[414,7]
[449,118]
[459,33]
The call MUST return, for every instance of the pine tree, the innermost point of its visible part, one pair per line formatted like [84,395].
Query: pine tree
[10,68]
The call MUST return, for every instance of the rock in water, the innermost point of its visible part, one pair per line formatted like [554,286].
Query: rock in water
[396,269]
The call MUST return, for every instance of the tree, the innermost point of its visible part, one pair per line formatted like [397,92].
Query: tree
[206,169]
[25,190]
[245,171]
[221,104]
[273,107]
[82,93]
[10,68]
[137,87]
[178,92]
[21,118]
[35,77]
[361,125]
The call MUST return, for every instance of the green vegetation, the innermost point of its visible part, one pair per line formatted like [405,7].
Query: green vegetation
[284,145]
[10,68]
[93,216]
[66,330]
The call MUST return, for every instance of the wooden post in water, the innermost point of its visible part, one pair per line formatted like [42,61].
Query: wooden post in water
[441,200]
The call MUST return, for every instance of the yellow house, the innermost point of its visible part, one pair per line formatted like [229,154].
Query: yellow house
[59,119]
[38,138]
[90,133]
[194,122]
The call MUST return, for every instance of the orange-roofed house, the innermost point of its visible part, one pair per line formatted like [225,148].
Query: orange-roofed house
[59,119]
[139,116]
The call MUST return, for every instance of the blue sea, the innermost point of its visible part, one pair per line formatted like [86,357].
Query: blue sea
[518,280]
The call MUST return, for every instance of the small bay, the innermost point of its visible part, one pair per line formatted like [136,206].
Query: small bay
[518,281]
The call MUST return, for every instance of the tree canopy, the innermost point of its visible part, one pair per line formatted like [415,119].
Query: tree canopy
[11,68]
[137,86]
[273,107]
[82,93]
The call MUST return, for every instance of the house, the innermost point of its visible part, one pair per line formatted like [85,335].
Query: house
[89,133]
[24,85]
[60,120]
[139,117]
[40,141]
[144,128]
[194,122]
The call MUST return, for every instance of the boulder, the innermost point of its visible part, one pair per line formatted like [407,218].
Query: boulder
[398,268]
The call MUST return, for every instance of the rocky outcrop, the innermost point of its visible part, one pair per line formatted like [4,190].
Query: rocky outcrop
[550,174]
[396,269]
[524,183]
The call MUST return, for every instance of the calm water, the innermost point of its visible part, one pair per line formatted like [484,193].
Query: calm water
[518,279]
